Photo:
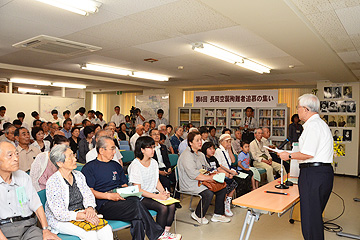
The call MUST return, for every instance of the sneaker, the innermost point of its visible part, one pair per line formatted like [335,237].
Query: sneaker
[196,218]
[169,236]
[178,205]
[220,218]
[228,211]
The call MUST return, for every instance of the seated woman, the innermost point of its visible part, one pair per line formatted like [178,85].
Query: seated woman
[42,168]
[190,162]
[67,191]
[123,134]
[144,172]
[86,144]
[74,140]
[38,134]
[225,157]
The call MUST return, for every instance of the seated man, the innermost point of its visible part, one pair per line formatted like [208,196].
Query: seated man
[103,176]
[235,144]
[27,152]
[17,220]
[9,134]
[85,123]
[139,131]
[162,129]
[262,158]
[267,142]
[53,128]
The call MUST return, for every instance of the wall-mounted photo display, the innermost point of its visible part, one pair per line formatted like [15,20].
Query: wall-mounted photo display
[342,106]
[347,92]
[347,135]
[341,149]
[336,92]
[324,106]
[332,121]
[341,121]
[350,106]
[325,118]
[336,135]
[351,121]
[333,106]
[328,92]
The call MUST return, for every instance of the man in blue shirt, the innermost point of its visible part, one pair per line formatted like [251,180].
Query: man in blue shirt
[67,128]
[103,176]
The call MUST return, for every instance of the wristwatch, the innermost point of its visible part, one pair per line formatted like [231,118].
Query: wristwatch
[47,228]
[290,156]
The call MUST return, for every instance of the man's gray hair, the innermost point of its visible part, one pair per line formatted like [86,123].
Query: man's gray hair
[310,101]
[111,122]
[177,128]
[160,126]
[265,128]
[256,130]
[98,133]
[57,154]
[7,129]
[101,143]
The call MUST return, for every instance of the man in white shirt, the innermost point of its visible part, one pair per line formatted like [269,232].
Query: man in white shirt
[162,129]
[36,116]
[316,173]
[160,120]
[262,158]
[9,135]
[139,118]
[139,131]
[3,118]
[79,117]
[55,118]
[146,129]
[92,154]
[99,119]
[91,117]
[117,118]
[21,117]
[66,115]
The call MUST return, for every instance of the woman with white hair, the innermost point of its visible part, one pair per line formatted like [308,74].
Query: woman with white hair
[70,199]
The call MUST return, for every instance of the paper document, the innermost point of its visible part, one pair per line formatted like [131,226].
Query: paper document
[276,150]
[168,201]
[242,175]
[129,191]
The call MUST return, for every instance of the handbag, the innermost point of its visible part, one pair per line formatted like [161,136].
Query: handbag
[213,185]
[87,226]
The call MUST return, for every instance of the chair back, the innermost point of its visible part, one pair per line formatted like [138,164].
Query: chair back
[42,196]
[124,147]
[121,142]
[128,156]
[173,159]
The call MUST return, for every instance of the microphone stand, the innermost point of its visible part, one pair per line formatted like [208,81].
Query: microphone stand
[282,185]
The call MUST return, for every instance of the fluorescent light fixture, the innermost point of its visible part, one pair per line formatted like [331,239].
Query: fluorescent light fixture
[82,7]
[68,85]
[230,57]
[123,72]
[30,81]
[28,90]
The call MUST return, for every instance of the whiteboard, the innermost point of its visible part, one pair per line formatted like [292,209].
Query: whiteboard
[149,104]
[15,103]
[49,103]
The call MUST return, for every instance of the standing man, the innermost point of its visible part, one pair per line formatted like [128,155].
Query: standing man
[139,118]
[316,173]
[79,117]
[117,118]
[248,125]
[160,119]
[3,118]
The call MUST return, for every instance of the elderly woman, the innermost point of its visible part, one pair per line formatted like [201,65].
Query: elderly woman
[123,134]
[67,191]
[42,168]
[190,162]
[176,139]
[38,134]
[226,158]
[74,140]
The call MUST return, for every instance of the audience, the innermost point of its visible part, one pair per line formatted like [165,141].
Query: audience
[36,116]
[66,193]
[42,168]
[187,129]
[45,127]
[3,118]
[18,221]
[91,117]
[21,117]
[152,124]
[160,120]
[103,176]
[17,123]
[117,118]
[244,165]
[295,129]
[146,129]
[236,144]
[27,153]
[74,140]
[84,123]
[9,134]
[86,144]
[184,144]
[204,134]
[79,117]
[99,119]
[144,173]
[139,132]
[162,129]
[53,128]
[38,135]
[226,158]
[262,158]
[248,125]
[139,118]
[123,134]
[66,115]
[55,118]
[189,164]
[176,139]
[67,127]
[212,136]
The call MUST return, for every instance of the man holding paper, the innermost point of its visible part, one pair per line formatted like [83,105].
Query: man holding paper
[316,173]
[103,176]
[262,158]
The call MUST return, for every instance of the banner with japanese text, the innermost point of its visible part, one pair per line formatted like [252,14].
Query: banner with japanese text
[241,98]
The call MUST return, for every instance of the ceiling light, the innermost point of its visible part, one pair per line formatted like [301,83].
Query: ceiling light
[230,57]
[123,72]
[68,85]
[82,7]
[28,90]
[30,81]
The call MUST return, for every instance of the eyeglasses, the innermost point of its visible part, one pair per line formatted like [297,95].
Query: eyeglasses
[111,149]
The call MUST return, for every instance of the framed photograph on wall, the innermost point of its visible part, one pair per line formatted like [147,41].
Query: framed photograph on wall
[351,121]
[337,92]
[351,106]
[347,135]
[341,121]
[328,92]
[342,106]
[347,92]
[324,106]
[336,135]
[332,121]
[333,106]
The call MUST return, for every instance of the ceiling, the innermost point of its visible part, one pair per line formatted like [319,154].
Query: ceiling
[320,38]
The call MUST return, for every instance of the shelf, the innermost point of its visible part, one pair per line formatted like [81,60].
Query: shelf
[235,117]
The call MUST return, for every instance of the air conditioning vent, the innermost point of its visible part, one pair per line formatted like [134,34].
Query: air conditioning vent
[57,46]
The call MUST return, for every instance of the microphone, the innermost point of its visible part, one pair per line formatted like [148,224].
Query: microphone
[282,145]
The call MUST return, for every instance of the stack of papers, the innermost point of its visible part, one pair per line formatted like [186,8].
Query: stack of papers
[131,191]
[168,201]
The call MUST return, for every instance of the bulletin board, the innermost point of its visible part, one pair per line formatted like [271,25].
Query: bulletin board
[149,104]
[48,103]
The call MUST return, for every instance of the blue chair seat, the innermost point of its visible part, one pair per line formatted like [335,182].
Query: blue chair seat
[124,147]
[261,170]
[67,237]
[128,156]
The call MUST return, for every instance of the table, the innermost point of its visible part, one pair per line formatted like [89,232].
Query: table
[259,202]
